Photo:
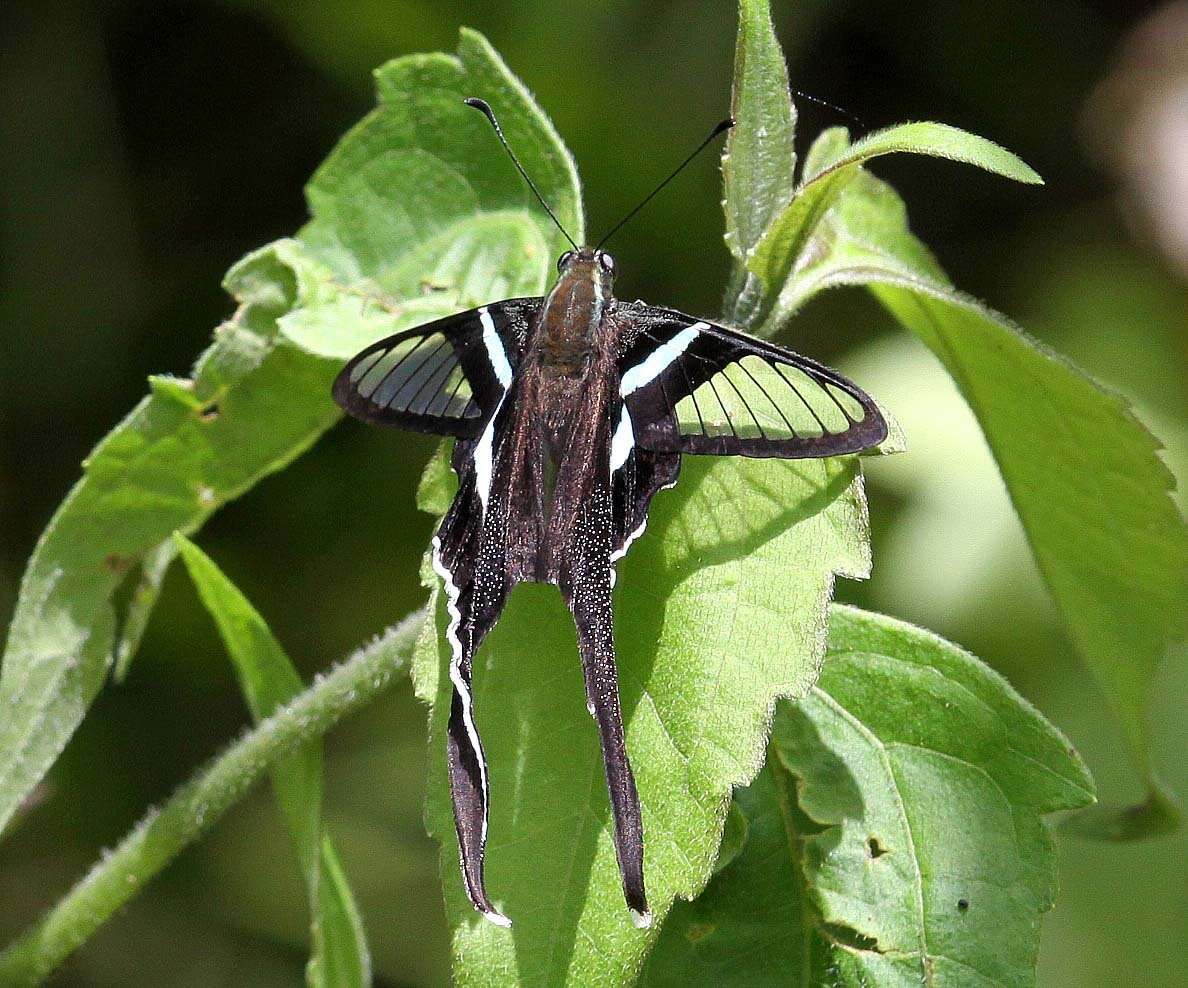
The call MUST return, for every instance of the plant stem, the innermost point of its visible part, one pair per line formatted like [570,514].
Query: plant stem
[197,804]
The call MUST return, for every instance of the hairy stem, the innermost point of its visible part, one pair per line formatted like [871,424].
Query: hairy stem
[195,807]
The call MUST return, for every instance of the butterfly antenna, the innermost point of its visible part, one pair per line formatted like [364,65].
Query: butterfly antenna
[832,106]
[722,127]
[485,108]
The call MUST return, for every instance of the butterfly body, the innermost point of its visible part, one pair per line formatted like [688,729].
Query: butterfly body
[569,413]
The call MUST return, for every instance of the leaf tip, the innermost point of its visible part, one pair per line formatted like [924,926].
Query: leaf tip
[1156,816]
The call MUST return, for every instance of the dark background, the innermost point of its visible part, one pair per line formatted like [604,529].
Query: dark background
[144,147]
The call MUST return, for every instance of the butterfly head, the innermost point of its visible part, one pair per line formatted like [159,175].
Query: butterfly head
[588,263]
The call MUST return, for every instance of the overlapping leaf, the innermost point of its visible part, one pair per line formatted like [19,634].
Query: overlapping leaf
[834,164]
[895,835]
[165,831]
[415,215]
[720,608]
[1083,473]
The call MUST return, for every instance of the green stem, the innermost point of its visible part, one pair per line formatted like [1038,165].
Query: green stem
[195,807]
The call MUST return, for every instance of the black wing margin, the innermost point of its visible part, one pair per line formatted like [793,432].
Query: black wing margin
[693,387]
[444,378]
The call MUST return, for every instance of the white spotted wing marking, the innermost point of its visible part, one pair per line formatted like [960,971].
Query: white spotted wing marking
[641,375]
[484,448]
[622,442]
[653,365]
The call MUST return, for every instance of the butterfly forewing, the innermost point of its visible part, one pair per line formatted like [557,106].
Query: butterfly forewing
[444,378]
[418,374]
[694,387]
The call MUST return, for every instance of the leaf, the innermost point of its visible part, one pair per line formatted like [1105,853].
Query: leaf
[895,834]
[392,200]
[934,139]
[719,609]
[198,804]
[1083,473]
[759,163]
[419,175]
[829,171]
[149,575]
[168,466]
[338,955]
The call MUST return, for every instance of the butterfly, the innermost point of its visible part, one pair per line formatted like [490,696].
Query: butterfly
[569,412]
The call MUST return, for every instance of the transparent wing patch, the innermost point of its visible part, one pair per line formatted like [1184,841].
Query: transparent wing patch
[694,387]
[444,378]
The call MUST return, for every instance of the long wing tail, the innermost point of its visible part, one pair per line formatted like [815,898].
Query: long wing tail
[469,556]
[586,585]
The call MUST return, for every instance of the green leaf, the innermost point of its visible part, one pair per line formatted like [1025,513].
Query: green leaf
[719,609]
[395,196]
[183,451]
[416,214]
[835,164]
[143,592]
[268,679]
[199,804]
[1083,473]
[759,163]
[895,834]
[934,139]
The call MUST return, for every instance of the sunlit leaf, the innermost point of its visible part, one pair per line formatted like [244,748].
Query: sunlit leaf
[719,609]
[834,164]
[415,214]
[1083,473]
[254,402]
[759,162]
[895,835]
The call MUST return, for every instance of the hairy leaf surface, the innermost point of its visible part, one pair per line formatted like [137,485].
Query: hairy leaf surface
[895,834]
[410,221]
[1083,473]
[720,609]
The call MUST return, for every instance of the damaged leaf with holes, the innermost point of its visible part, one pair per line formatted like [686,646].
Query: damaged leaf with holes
[896,833]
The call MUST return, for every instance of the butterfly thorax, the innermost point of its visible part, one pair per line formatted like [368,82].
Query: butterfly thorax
[572,313]
[567,375]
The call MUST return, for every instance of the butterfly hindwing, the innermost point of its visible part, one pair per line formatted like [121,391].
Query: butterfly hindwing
[690,386]
[445,378]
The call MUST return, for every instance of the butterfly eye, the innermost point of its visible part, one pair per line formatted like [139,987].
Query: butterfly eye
[563,260]
[606,262]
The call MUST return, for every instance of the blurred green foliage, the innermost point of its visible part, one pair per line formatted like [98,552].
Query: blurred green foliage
[147,146]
